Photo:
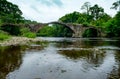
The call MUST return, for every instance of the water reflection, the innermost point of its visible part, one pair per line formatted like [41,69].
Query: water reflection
[10,59]
[62,58]
[91,56]
[115,73]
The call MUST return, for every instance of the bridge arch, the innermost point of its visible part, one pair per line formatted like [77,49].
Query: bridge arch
[58,29]
[91,32]
[63,24]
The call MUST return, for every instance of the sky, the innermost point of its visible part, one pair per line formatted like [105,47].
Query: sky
[51,10]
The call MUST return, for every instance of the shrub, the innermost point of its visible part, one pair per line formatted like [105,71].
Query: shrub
[11,29]
[85,24]
[24,30]
[91,32]
[26,33]
[4,36]
[29,35]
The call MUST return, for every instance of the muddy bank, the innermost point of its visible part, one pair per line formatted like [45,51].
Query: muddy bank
[19,41]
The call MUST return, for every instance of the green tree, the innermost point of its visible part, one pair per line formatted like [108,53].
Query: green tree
[84,18]
[86,6]
[96,11]
[103,18]
[76,17]
[116,5]
[113,26]
[70,18]
[55,31]
[10,12]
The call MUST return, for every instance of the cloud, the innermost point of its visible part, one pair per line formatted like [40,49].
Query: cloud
[51,2]
[52,10]
[58,2]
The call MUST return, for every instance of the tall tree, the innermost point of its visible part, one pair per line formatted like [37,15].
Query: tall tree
[70,18]
[116,5]
[96,11]
[86,6]
[8,9]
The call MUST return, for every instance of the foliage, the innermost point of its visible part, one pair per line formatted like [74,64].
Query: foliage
[86,6]
[70,18]
[29,22]
[46,31]
[24,30]
[90,33]
[84,18]
[116,5]
[11,29]
[10,13]
[85,24]
[96,11]
[26,33]
[30,35]
[101,21]
[76,17]
[4,36]
[113,26]
[55,31]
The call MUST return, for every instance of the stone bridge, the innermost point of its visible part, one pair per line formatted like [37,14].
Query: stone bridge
[77,29]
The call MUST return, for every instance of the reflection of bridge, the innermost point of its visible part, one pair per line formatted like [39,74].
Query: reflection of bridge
[77,29]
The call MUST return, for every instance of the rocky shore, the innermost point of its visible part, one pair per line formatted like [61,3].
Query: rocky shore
[18,41]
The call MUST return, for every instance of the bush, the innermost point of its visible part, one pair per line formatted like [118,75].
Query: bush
[24,30]
[4,36]
[85,24]
[90,33]
[29,35]
[11,29]
[26,33]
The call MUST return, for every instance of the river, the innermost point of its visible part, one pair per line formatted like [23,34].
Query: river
[62,58]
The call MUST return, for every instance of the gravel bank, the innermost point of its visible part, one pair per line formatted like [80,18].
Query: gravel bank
[18,41]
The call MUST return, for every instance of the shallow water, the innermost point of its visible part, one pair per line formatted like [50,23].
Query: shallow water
[62,58]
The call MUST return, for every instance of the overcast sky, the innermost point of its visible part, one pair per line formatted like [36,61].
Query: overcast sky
[52,10]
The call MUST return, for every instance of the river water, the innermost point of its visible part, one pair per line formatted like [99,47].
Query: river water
[62,58]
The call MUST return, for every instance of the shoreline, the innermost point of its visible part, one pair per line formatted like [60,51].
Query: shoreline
[14,41]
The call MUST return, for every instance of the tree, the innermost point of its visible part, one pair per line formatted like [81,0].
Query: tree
[113,26]
[103,18]
[96,11]
[116,5]
[9,11]
[70,18]
[86,6]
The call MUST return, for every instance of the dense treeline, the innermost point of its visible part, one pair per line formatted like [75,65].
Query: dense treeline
[11,14]
[95,15]
[91,15]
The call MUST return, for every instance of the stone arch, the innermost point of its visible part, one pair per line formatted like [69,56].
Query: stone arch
[63,24]
[91,32]
[67,32]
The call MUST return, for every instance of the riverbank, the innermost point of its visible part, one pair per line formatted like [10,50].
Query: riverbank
[18,41]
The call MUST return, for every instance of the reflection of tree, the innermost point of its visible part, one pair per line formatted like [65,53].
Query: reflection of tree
[91,56]
[115,74]
[10,59]
[83,43]
[64,44]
